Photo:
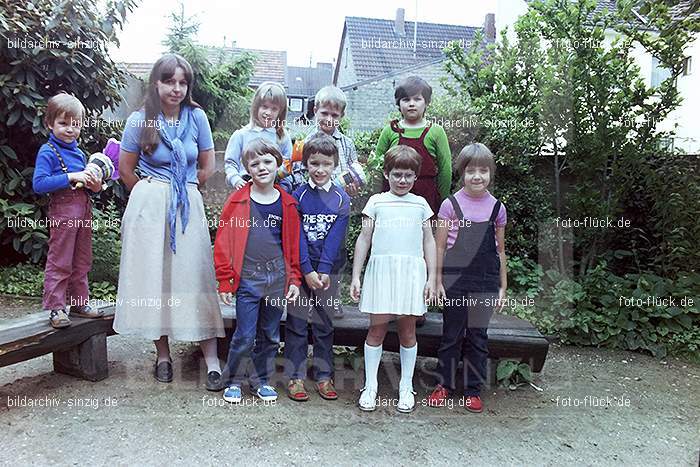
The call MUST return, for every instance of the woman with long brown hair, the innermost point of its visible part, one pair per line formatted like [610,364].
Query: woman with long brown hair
[167,288]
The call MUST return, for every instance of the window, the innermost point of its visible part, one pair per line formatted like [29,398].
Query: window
[658,73]
[688,66]
[296,104]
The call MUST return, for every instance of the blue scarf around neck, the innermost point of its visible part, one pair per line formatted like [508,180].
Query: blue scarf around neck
[178,182]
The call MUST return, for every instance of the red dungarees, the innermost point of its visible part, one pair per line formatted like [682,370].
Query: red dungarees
[426,183]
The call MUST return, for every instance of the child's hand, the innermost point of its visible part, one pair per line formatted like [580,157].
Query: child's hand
[226,297]
[441,294]
[429,292]
[239,184]
[313,280]
[325,280]
[352,189]
[501,299]
[79,177]
[355,289]
[293,293]
[94,184]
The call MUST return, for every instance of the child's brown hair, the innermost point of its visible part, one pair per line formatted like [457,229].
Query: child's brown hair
[320,144]
[402,157]
[259,147]
[475,154]
[410,87]
[63,103]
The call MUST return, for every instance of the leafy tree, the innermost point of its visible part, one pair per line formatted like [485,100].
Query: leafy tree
[47,47]
[581,103]
[221,81]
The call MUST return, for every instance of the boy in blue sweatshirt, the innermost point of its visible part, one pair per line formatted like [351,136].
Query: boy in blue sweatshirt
[60,172]
[324,209]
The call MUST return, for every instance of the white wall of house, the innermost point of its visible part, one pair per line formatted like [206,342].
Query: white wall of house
[684,119]
[371,101]
[688,130]
[346,67]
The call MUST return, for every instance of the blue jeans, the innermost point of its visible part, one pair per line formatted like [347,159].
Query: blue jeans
[259,308]
[296,332]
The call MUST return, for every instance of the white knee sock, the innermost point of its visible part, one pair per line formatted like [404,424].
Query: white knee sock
[408,364]
[373,355]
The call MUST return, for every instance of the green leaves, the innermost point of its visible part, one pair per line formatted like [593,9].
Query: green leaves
[55,58]
[513,374]
[221,79]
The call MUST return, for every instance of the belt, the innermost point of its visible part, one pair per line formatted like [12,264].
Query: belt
[272,265]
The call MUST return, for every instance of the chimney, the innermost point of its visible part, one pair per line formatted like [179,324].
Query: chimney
[399,25]
[490,27]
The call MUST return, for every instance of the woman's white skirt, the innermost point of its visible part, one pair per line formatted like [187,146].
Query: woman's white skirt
[162,293]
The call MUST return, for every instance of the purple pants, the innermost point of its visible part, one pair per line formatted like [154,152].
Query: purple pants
[70,249]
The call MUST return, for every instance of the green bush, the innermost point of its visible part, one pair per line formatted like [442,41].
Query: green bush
[29,76]
[103,291]
[594,311]
[26,279]
[22,279]
[524,276]
[106,244]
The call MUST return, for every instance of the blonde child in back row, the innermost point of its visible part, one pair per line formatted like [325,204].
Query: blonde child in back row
[400,276]
[268,113]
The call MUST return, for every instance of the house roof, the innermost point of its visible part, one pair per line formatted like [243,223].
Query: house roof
[138,69]
[306,81]
[270,65]
[378,49]
[685,7]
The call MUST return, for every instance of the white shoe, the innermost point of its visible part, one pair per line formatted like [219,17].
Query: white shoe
[407,401]
[368,399]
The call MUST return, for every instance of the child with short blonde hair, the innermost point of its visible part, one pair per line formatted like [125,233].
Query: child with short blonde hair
[59,171]
[329,108]
[268,113]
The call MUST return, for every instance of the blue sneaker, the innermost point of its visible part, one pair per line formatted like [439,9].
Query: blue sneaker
[267,393]
[233,394]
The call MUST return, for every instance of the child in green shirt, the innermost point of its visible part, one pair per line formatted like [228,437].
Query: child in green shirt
[412,97]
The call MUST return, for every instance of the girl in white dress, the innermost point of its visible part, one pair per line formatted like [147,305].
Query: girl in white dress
[400,275]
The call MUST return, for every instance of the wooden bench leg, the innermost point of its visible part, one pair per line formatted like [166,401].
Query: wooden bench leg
[491,365]
[87,360]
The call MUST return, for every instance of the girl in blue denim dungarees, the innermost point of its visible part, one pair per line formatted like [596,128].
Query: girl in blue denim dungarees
[471,274]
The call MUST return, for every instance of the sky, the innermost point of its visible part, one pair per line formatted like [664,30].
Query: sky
[309,31]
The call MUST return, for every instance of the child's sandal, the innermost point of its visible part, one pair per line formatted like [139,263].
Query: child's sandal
[59,319]
[86,311]
[327,390]
[296,390]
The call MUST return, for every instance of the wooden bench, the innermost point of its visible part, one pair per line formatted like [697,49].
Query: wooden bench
[509,337]
[80,350]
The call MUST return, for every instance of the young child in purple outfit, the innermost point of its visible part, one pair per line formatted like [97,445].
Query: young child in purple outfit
[60,172]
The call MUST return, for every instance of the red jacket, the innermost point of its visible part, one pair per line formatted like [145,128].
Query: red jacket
[232,237]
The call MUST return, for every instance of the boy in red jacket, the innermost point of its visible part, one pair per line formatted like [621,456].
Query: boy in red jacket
[256,255]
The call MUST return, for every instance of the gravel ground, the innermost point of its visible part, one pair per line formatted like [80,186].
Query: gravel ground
[653,416]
